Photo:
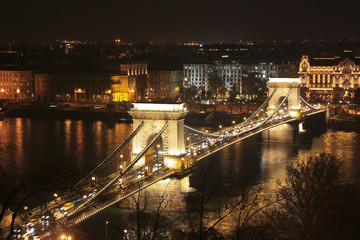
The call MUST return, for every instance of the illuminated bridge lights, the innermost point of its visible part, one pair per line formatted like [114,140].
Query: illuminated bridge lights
[207,144]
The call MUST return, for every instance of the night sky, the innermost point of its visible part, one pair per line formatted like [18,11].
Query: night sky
[170,20]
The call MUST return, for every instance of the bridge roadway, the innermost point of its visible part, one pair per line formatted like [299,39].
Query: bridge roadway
[132,182]
[210,144]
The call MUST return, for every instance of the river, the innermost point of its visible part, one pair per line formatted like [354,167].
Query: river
[26,143]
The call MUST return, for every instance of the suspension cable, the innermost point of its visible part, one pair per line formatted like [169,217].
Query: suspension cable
[308,104]
[132,163]
[262,105]
[111,155]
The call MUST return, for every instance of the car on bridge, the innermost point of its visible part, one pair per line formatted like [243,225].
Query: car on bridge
[66,207]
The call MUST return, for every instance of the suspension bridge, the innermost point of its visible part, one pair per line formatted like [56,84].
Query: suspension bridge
[161,149]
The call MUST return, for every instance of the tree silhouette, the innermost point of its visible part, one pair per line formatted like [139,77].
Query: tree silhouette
[316,202]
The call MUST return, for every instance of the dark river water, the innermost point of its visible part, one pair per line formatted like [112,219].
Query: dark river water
[26,143]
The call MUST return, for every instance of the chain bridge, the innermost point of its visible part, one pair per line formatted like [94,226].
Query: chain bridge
[164,147]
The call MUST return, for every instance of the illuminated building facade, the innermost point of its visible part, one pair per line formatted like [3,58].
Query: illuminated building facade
[330,79]
[197,75]
[165,84]
[16,85]
[120,89]
[131,84]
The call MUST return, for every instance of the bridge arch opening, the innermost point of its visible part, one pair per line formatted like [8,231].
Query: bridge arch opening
[154,157]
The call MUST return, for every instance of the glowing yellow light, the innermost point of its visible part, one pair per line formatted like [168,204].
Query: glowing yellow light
[293,114]
[17,90]
[79,90]
[93,178]
[170,163]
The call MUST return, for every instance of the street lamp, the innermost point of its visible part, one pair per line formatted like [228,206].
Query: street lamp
[66,237]
[106,229]
[56,195]
[126,237]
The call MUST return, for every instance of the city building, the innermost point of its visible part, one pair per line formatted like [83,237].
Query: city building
[133,78]
[120,90]
[165,84]
[43,83]
[82,86]
[198,75]
[330,79]
[263,71]
[232,73]
[16,85]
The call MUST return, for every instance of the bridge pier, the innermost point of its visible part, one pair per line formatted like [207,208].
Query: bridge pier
[287,133]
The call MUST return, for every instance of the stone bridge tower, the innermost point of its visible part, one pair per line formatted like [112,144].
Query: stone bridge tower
[169,149]
[283,86]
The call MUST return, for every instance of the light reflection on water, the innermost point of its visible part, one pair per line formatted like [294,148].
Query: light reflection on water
[24,143]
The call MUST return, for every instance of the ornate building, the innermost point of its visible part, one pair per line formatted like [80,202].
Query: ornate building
[330,79]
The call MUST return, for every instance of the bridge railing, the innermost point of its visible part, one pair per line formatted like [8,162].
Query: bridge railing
[117,177]
[131,190]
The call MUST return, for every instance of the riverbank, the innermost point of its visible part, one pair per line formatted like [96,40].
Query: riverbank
[344,123]
[193,118]
[60,113]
